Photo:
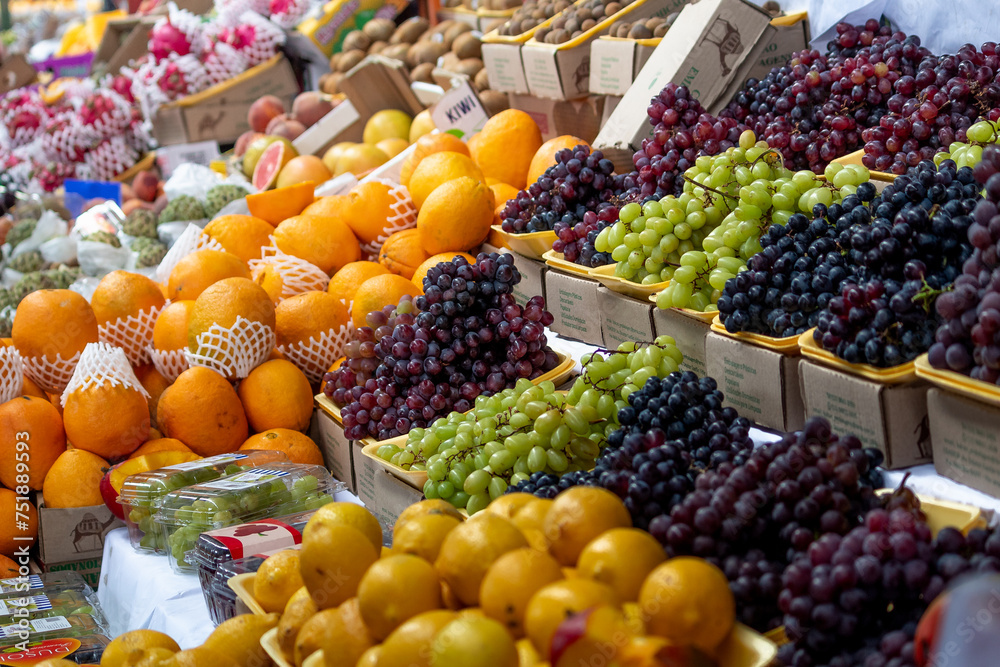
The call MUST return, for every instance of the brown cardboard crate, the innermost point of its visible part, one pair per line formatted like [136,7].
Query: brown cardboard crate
[615,62]
[364,474]
[88,568]
[892,418]
[16,72]
[966,440]
[73,534]
[390,496]
[624,319]
[580,118]
[689,335]
[573,303]
[762,385]
[337,450]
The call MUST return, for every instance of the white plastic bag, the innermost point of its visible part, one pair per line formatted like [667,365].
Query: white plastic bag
[99,259]
[196,180]
[49,226]
[60,250]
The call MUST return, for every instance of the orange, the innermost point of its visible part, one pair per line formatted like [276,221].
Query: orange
[202,410]
[545,156]
[241,235]
[502,193]
[423,535]
[577,516]
[74,480]
[303,169]
[530,520]
[326,242]
[410,644]
[300,608]
[171,329]
[346,637]
[225,301]
[277,394]
[53,322]
[402,253]
[370,210]
[474,641]
[14,526]
[468,551]
[155,384]
[334,558]
[621,558]
[510,583]
[349,514]
[276,580]
[275,206]
[687,601]
[160,445]
[123,294]
[31,431]
[308,315]
[108,420]
[506,146]
[437,169]
[509,504]
[346,282]
[552,604]
[268,276]
[201,269]
[29,388]
[298,447]
[378,292]
[132,647]
[434,260]
[424,508]
[332,206]
[427,145]
[9,569]
[394,590]
[456,216]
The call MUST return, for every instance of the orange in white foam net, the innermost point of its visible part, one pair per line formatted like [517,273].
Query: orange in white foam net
[170,363]
[191,240]
[297,275]
[11,374]
[102,364]
[316,355]
[133,334]
[50,373]
[233,351]
[404,216]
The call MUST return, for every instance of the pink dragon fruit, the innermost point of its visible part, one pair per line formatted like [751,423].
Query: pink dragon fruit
[240,37]
[49,176]
[288,13]
[123,86]
[173,82]
[166,38]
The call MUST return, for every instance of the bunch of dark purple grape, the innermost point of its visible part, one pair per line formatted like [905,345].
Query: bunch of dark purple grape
[909,254]
[968,340]
[673,429]
[798,271]
[470,337]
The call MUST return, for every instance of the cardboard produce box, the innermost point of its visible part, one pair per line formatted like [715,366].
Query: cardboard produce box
[88,568]
[580,118]
[124,40]
[761,384]
[966,440]
[689,335]
[15,72]
[220,113]
[709,42]
[616,61]
[73,538]
[892,418]
[390,496]
[572,300]
[624,319]
[337,450]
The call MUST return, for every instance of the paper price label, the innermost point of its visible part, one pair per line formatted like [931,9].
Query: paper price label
[17,584]
[34,603]
[248,479]
[459,111]
[35,626]
[170,157]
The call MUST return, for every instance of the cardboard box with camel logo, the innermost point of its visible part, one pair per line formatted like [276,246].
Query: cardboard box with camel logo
[73,538]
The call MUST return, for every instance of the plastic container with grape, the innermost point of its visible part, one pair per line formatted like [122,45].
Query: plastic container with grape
[140,493]
[42,636]
[66,602]
[39,583]
[271,491]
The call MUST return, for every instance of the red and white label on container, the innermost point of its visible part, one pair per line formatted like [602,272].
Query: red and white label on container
[256,537]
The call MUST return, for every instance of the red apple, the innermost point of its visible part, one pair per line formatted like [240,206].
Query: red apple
[925,641]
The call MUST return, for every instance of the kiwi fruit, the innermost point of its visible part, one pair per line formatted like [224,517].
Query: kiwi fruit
[379,30]
[482,80]
[409,31]
[450,61]
[557,36]
[467,45]
[422,72]
[454,31]
[494,101]
[357,40]
[640,31]
[397,52]
[470,67]
[335,62]
[661,30]
[349,59]
[331,83]
[440,28]
[426,52]
[377,47]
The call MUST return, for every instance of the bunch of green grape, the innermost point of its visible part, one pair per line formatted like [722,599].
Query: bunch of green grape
[230,501]
[970,154]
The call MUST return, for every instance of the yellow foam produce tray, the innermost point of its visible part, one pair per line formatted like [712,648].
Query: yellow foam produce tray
[532,245]
[788,345]
[557,261]
[415,478]
[606,276]
[269,642]
[947,514]
[855,158]
[242,585]
[893,375]
[957,383]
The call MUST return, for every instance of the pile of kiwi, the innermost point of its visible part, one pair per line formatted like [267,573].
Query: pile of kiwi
[492,5]
[642,28]
[451,45]
[531,15]
[579,19]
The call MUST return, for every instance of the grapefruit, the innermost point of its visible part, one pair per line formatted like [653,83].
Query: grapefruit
[255,149]
[301,169]
[270,164]
[386,124]
[360,158]
[333,153]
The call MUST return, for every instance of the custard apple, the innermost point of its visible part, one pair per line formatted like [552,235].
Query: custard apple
[8,299]
[32,282]
[26,262]
[181,208]
[220,196]
[104,237]
[150,252]
[21,231]
[6,325]
[64,276]
[140,222]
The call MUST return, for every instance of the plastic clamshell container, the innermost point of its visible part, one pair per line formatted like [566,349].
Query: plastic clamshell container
[893,375]
[532,244]
[788,345]
[250,495]
[957,383]
[38,583]
[226,601]
[855,158]
[606,276]
[89,631]
[141,492]
[558,261]
[68,602]
[945,513]
[269,642]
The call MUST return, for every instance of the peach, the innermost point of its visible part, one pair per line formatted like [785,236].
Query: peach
[245,140]
[309,107]
[145,185]
[263,110]
[287,128]
[130,205]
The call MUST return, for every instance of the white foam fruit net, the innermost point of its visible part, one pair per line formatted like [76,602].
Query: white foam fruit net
[133,334]
[316,355]
[404,216]
[102,364]
[170,363]
[297,275]
[191,240]
[11,374]
[51,373]
[233,351]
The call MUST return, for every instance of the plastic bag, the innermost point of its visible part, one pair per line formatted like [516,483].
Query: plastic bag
[49,226]
[196,180]
[169,232]
[99,259]
[60,250]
